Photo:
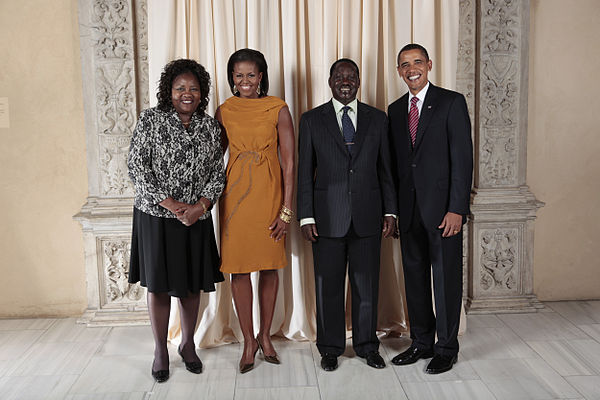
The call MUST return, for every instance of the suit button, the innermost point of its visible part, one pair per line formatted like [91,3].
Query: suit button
[349,192]
[412,189]
[413,165]
[351,171]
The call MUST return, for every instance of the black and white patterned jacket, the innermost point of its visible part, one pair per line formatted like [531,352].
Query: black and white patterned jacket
[166,160]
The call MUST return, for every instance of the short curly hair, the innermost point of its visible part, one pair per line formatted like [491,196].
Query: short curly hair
[257,58]
[171,71]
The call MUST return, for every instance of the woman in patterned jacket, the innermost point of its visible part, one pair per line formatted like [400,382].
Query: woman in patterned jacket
[176,165]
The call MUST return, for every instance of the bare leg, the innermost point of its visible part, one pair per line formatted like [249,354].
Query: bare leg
[241,288]
[159,308]
[268,285]
[188,309]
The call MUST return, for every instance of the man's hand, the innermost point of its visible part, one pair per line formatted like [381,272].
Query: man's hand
[451,224]
[309,232]
[389,226]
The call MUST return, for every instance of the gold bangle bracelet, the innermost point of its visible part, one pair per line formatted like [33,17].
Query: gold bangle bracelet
[203,207]
[285,218]
[286,210]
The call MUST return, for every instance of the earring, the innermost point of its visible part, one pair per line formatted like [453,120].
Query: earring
[235,90]
[258,89]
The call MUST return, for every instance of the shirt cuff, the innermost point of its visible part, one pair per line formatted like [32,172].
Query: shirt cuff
[306,221]
[391,215]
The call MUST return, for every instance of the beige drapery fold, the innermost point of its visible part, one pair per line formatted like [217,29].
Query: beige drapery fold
[300,40]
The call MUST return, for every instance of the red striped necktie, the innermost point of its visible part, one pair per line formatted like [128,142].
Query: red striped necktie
[413,119]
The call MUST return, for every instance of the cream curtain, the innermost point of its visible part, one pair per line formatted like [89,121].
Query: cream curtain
[300,40]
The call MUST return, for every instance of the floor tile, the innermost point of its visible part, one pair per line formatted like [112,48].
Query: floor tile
[129,341]
[484,321]
[36,387]
[68,330]
[593,331]
[588,386]
[294,393]
[216,384]
[116,374]
[542,326]
[455,390]
[570,357]
[56,359]
[110,396]
[296,368]
[354,379]
[14,344]
[523,379]
[493,343]
[23,324]
[578,312]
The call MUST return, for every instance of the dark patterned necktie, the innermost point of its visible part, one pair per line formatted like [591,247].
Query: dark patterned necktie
[413,119]
[347,128]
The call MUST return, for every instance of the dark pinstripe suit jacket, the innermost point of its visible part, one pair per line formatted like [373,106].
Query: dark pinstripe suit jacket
[336,188]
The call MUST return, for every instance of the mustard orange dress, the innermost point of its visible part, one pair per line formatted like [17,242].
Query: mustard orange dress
[254,191]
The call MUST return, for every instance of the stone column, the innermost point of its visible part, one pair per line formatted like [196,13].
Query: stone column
[503,208]
[113,40]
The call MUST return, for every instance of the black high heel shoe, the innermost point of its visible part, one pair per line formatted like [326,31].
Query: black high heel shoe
[194,367]
[249,366]
[270,359]
[160,376]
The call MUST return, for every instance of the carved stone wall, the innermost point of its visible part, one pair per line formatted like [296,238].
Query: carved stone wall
[114,56]
[503,209]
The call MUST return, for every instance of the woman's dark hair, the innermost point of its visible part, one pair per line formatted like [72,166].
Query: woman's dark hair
[257,58]
[171,71]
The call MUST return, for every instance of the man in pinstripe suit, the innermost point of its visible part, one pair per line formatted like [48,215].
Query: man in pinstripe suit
[346,201]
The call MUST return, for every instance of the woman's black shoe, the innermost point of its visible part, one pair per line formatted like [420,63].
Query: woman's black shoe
[160,376]
[194,367]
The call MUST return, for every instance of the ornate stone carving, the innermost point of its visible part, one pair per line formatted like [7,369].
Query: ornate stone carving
[113,165]
[499,259]
[115,254]
[141,31]
[500,94]
[111,24]
[115,99]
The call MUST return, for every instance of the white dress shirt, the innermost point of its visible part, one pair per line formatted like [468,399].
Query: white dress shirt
[421,96]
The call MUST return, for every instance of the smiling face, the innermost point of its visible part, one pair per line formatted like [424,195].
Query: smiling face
[246,78]
[413,67]
[344,82]
[185,95]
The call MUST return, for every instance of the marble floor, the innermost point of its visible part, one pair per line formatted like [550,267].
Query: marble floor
[553,354]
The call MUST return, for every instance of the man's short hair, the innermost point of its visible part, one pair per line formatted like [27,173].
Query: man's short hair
[343,60]
[413,46]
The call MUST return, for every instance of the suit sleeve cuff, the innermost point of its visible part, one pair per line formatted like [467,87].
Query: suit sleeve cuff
[306,221]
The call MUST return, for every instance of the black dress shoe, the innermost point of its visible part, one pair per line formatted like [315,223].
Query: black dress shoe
[411,356]
[194,367]
[440,363]
[374,359]
[329,362]
[160,376]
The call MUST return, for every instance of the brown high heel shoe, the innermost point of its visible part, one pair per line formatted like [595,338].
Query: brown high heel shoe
[249,366]
[270,359]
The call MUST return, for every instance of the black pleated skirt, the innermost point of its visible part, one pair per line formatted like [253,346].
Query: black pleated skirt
[167,256]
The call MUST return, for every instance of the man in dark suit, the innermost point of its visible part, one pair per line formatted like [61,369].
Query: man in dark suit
[431,140]
[346,200]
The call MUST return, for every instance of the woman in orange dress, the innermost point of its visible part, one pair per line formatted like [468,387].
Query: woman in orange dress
[255,208]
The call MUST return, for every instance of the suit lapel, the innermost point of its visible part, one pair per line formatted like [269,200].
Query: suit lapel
[331,125]
[403,111]
[363,118]
[426,113]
